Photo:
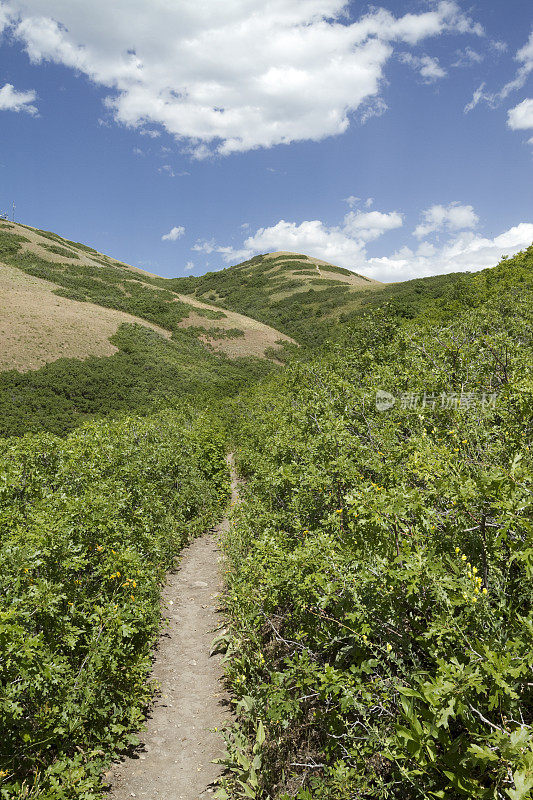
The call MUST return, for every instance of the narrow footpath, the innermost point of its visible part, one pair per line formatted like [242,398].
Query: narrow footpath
[174,761]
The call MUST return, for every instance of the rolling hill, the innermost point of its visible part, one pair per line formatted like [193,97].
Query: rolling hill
[66,274]
[83,334]
[295,293]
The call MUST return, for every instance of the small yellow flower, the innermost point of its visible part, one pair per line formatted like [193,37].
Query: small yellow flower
[463,557]
[457,549]
[365,639]
[474,570]
[132,597]
[485,590]
[389,647]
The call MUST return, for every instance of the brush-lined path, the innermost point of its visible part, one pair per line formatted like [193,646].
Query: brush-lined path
[175,759]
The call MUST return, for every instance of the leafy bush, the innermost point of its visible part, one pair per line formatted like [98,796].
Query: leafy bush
[88,526]
[147,373]
[381,565]
[60,251]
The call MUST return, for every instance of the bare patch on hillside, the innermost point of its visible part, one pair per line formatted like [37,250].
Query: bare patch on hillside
[257,339]
[37,326]
[41,242]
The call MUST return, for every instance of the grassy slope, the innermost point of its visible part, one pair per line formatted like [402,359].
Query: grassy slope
[294,293]
[380,591]
[78,274]
[305,297]
[80,308]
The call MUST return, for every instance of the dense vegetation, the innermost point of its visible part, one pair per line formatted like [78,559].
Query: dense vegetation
[380,590]
[88,526]
[287,293]
[148,372]
[310,310]
[379,568]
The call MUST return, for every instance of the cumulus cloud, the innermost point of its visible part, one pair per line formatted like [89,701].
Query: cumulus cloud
[174,234]
[12,100]
[461,249]
[342,244]
[461,253]
[452,217]
[521,116]
[230,77]
[428,67]
[189,266]
[371,225]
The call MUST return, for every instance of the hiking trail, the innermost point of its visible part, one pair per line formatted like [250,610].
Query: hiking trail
[174,760]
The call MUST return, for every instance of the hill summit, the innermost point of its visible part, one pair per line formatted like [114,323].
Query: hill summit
[293,292]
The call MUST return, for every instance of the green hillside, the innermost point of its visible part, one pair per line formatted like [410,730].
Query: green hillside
[378,572]
[382,561]
[306,298]
[88,336]
[294,293]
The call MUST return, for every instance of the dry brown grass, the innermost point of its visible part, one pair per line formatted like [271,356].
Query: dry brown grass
[37,326]
[257,336]
[37,244]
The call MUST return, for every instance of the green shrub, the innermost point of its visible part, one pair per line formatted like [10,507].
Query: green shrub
[381,564]
[88,526]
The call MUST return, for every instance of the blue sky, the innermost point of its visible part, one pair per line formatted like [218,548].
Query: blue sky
[394,139]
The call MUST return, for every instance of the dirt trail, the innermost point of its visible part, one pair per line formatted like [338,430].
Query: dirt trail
[174,761]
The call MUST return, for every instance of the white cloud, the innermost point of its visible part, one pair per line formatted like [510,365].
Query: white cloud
[479,95]
[467,57]
[166,169]
[11,100]
[188,266]
[521,116]
[463,252]
[174,234]
[352,200]
[371,225]
[499,46]
[230,77]
[524,56]
[428,67]
[452,217]
[312,237]
[342,244]
[206,246]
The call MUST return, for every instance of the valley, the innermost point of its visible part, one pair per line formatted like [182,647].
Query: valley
[375,579]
